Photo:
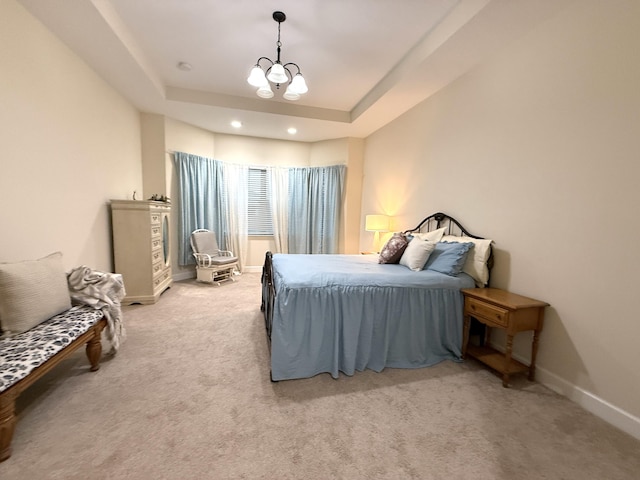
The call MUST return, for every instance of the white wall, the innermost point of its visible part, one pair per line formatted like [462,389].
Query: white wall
[538,150]
[69,144]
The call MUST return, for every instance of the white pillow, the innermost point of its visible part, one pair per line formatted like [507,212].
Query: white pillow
[31,292]
[476,263]
[417,253]
[433,236]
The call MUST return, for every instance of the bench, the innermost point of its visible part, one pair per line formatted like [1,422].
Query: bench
[40,325]
[26,357]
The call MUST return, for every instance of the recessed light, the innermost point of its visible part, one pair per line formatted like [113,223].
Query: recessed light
[236,123]
[292,130]
[184,66]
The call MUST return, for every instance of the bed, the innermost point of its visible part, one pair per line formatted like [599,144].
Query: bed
[348,313]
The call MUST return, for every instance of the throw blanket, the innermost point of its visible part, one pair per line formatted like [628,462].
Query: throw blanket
[102,291]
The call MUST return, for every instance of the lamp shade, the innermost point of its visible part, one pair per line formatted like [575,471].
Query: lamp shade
[265,91]
[298,85]
[290,94]
[277,74]
[377,223]
[257,77]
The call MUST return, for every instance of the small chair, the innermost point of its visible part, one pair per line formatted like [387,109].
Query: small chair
[212,264]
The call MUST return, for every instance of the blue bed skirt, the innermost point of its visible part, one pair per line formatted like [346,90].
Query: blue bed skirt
[342,313]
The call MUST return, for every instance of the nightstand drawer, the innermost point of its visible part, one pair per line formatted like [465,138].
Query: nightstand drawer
[484,311]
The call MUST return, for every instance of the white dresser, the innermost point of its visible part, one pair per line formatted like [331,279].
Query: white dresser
[141,248]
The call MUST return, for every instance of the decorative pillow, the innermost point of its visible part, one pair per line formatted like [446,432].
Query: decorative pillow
[476,263]
[393,249]
[448,258]
[417,253]
[31,292]
[433,236]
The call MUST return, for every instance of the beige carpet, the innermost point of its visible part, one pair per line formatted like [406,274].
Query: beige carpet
[189,397]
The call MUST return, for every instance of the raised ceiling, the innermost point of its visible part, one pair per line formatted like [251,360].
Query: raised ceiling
[366,61]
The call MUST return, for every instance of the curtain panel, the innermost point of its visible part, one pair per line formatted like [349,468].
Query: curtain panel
[203,201]
[315,201]
[305,205]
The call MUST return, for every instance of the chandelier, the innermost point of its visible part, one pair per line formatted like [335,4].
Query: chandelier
[277,73]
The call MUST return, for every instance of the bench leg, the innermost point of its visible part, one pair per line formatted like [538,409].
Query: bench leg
[94,349]
[7,423]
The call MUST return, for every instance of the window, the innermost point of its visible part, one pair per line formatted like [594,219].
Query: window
[260,221]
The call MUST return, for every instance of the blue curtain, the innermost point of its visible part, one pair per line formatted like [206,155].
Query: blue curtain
[315,201]
[202,201]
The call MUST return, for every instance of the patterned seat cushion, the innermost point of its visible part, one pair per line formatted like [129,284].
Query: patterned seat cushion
[20,354]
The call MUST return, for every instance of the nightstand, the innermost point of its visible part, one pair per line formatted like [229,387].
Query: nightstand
[513,313]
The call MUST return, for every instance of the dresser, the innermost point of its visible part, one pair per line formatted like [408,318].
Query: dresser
[141,248]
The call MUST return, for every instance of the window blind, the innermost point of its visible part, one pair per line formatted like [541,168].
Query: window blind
[259,214]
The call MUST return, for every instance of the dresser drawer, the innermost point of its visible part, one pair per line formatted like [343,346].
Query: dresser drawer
[156,218]
[485,311]
[156,244]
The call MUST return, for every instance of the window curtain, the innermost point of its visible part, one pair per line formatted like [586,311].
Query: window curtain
[202,201]
[278,190]
[237,178]
[315,200]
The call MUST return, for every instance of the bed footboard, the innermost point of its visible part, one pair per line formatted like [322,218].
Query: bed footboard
[268,293]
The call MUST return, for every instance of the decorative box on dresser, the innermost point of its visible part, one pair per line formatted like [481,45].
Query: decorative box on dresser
[141,248]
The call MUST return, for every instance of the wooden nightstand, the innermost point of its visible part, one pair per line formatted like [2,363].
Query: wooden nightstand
[513,313]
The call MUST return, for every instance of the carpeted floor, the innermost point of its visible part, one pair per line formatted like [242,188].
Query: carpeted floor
[189,397]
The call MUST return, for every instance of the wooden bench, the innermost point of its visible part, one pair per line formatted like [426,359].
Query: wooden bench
[26,357]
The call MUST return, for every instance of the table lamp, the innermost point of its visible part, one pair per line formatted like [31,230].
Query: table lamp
[377,224]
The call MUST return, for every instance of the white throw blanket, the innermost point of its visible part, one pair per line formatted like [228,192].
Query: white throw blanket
[102,291]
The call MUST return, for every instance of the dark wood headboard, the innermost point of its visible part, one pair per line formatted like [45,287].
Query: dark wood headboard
[453,227]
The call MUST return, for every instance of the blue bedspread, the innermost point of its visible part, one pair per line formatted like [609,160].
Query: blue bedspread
[342,313]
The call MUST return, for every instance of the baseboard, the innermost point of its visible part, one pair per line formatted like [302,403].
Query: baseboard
[183,275]
[592,403]
[253,269]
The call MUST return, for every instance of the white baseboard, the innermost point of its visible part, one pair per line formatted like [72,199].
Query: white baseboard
[253,269]
[183,275]
[590,402]
[587,400]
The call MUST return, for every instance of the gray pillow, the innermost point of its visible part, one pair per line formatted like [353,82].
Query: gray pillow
[417,253]
[31,292]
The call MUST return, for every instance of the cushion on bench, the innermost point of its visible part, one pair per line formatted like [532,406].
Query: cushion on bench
[31,292]
[22,353]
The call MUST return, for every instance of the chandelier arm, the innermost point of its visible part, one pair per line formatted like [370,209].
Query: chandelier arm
[295,65]
[265,58]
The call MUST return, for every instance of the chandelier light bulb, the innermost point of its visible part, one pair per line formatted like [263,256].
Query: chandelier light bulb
[290,95]
[277,74]
[257,77]
[298,85]
[265,91]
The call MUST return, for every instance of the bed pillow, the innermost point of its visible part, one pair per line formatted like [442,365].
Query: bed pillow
[417,253]
[476,263]
[448,257]
[433,236]
[31,292]
[393,249]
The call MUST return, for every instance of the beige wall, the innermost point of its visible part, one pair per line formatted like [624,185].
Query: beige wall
[538,150]
[69,144]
